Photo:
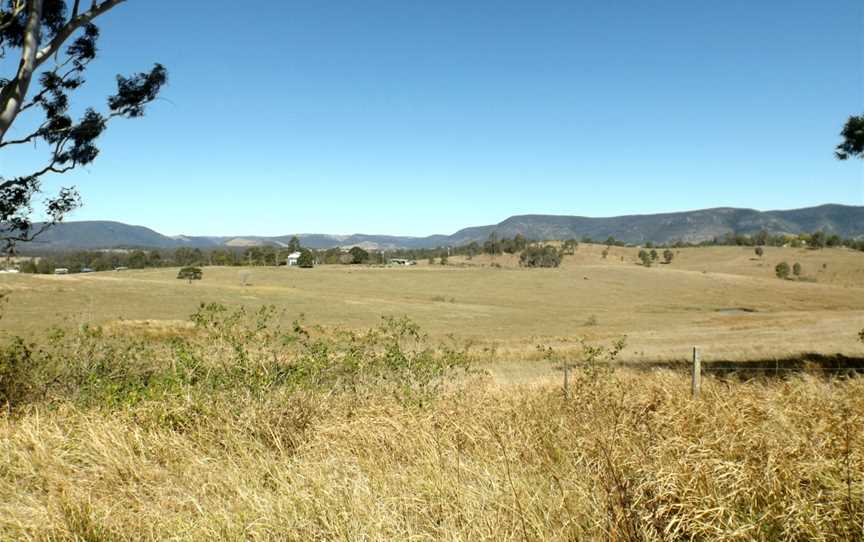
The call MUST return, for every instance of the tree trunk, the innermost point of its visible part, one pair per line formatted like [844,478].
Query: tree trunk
[14,93]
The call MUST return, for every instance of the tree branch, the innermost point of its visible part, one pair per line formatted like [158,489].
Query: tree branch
[16,11]
[13,93]
[74,24]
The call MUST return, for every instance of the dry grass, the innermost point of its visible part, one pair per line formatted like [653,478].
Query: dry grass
[629,457]
[664,310]
[239,429]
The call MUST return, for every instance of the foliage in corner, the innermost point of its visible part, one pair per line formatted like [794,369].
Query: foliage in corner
[37,31]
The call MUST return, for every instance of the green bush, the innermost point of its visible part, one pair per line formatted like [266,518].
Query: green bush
[782,270]
[796,269]
[545,256]
[358,255]
[306,259]
[645,258]
[15,364]
[228,352]
[190,274]
[668,255]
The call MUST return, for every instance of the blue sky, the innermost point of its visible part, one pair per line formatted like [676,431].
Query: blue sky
[417,117]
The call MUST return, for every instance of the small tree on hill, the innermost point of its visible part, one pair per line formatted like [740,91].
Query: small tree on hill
[653,255]
[190,274]
[545,256]
[796,269]
[667,256]
[570,246]
[759,251]
[605,253]
[818,240]
[782,270]
[645,258]
[294,244]
[492,246]
[306,259]
[358,255]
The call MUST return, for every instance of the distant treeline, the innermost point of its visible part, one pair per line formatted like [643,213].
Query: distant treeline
[529,250]
[815,240]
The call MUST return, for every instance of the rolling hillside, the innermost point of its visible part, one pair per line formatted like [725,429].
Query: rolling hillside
[689,226]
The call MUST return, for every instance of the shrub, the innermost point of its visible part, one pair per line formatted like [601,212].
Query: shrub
[190,274]
[545,256]
[796,269]
[668,255]
[759,251]
[306,259]
[229,351]
[645,258]
[15,362]
[358,255]
[782,270]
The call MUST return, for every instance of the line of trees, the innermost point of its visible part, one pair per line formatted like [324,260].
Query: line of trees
[818,239]
[103,260]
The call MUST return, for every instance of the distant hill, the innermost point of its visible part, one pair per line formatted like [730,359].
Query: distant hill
[689,226]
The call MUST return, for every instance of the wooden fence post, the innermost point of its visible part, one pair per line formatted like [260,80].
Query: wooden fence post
[697,373]
[566,380]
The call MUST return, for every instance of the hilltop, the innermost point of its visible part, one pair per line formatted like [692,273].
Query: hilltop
[688,226]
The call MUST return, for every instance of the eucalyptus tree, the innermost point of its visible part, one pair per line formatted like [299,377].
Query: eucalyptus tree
[853,139]
[47,45]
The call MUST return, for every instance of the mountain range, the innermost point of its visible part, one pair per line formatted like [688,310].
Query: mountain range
[689,226]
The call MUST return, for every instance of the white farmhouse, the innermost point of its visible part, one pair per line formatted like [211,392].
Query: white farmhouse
[293,259]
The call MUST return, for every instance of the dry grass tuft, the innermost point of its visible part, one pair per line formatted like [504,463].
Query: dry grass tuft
[628,457]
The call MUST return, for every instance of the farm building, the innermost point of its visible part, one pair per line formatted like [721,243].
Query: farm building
[293,258]
[61,271]
[401,261]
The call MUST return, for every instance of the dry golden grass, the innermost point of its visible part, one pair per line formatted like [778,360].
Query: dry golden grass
[237,429]
[665,310]
[629,457]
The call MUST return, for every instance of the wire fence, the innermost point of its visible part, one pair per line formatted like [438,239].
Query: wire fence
[824,365]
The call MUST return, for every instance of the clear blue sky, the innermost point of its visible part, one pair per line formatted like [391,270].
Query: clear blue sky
[419,117]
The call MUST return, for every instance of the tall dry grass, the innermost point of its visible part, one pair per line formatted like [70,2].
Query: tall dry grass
[233,434]
[627,458]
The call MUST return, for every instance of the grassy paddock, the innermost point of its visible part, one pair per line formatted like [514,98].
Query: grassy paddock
[129,420]
[664,310]
[239,429]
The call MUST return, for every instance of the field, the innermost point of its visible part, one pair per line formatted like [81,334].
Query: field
[143,416]
[722,299]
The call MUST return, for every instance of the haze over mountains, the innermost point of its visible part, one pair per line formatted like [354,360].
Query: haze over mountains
[689,226]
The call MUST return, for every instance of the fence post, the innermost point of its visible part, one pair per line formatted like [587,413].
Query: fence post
[566,380]
[697,373]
